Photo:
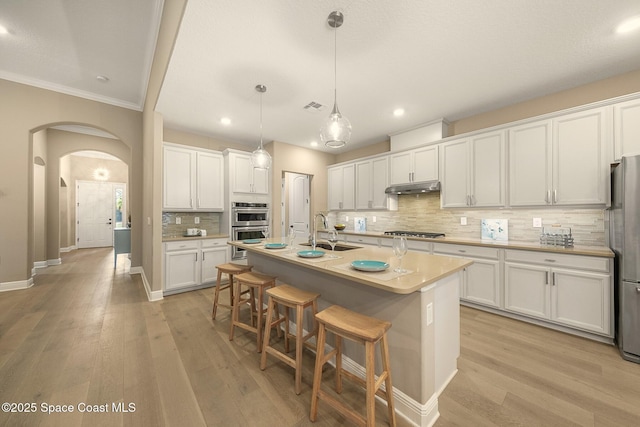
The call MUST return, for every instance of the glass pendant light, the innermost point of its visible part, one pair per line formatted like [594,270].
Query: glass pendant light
[336,131]
[260,158]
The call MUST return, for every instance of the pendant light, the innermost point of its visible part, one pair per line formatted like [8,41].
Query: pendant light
[260,158]
[336,131]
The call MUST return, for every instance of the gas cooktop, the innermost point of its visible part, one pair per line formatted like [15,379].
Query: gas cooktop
[425,234]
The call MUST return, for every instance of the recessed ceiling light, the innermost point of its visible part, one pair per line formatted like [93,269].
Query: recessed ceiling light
[3,30]
[102,79]
[314,143]
[398,112]
[629,25]
[225,121]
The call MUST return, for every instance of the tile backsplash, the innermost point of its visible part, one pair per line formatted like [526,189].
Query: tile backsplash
[209,221]
[423,213]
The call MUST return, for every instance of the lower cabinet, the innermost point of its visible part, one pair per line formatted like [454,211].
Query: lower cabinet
[481,280]
[191,264]
[576,298]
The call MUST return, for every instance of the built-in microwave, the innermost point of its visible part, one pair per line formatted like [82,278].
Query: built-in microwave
[245,214]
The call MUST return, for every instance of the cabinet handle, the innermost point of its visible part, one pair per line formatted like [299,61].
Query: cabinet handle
[547,197]
[638,289]
[549,260]
[461,250]
[555,196]
[191,202]
[370,204]
[196,256]
[547,277]
[340,205]
[202,256]
[553,279]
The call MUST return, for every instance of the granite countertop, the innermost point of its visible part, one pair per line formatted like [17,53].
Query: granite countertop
[180,237]
[423,269]
[599,251]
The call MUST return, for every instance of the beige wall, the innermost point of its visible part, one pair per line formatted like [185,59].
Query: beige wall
[39,197]
[581,95]
[201,141]
[370,150]
[291,158]
[24,111]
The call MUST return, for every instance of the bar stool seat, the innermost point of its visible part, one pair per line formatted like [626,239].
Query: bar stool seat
[291,298]
[256,282]
[230,270]
[361,329]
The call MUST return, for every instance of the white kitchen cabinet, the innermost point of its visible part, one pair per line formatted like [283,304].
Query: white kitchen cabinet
[473,171]
[372,178]
[481,280]
[560,161]
[191,264]
[181,265]
[244,177]
[341,187]
[548,288]
[626,122]
[420,164]
[192,179]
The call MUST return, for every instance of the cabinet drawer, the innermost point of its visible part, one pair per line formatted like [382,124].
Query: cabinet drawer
[213,243]
[416,245]
[365,240]
[551,259]
[464,250]
[181,245]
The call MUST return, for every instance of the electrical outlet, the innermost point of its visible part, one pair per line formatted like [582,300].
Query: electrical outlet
[429,313]
[463,220]
[346,218]
[373,219]
[537,222]
[148,220]
[178,220]
[196,220]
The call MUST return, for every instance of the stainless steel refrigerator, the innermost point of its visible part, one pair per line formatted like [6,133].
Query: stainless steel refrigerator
[625,242]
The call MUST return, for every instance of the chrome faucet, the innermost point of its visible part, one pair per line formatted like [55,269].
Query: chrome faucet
[314,237]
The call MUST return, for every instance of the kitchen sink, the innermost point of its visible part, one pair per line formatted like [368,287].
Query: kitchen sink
[328,246]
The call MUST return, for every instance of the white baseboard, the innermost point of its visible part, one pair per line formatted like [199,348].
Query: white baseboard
[151,295]
[40,264]
[68,249]
[54,261]
[14,286]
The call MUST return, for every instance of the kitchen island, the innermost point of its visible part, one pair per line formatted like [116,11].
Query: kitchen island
[422,305]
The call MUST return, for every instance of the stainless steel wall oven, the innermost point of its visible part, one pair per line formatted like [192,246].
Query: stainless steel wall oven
[248,221]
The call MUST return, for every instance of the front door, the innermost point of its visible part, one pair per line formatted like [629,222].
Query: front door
[95,208]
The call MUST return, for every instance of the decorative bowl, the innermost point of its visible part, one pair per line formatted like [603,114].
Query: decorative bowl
[339,227]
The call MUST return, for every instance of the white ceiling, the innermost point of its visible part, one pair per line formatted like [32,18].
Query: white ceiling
[434,58]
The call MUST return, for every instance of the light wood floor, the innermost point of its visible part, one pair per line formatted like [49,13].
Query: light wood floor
[85,333]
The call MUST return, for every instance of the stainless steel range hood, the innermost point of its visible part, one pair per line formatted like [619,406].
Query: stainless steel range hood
[414,188]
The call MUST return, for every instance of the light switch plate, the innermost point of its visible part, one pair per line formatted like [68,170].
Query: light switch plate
[196,220]
[537,222]
[463,220]
[429,314]
[178,220]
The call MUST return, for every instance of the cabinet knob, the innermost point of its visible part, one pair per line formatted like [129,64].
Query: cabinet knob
[549,260]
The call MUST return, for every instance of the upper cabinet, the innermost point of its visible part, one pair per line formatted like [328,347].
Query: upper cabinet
[473,171]
[192,179]
[341,187]
[420,164]
[244,178]
[626,121]
[561,161]
[372,178]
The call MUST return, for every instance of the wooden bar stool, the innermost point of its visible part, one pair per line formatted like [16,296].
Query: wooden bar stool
[365,330]
[290,298]
[258,283]
[230,270]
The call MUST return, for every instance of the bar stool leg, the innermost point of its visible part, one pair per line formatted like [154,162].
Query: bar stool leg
[370,382]
[338,351]
[267,333]
[299,343]
[286,329]
[235,310]
[217,293]
[317,373]
[384,350]
[259,326]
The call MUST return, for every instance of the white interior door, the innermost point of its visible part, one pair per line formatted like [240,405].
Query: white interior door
[95,208]
[298,201]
